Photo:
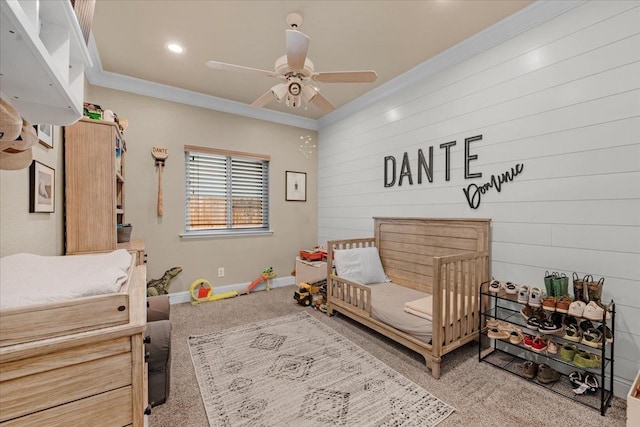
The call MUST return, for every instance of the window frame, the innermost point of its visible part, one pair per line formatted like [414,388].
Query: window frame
[228,231]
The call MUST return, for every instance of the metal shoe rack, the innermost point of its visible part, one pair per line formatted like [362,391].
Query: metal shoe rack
[510,357]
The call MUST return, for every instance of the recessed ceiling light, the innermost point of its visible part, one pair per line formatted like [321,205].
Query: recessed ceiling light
[174,47]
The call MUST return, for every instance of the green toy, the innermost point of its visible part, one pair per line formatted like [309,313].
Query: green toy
[159,286]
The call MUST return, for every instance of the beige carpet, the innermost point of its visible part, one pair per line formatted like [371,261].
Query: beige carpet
[482,395]
[295,370]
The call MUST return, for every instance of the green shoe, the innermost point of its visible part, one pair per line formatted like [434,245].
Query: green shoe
[548,283]
[568,352]
[560,285]
[587,360]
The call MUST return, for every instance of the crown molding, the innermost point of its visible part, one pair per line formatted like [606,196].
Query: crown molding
[521,21]
[97,76]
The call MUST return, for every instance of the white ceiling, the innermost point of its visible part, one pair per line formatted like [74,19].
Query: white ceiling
[390,37]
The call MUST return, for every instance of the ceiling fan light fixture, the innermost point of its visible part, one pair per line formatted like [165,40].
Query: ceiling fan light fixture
[279,91]
[293,101]
[294,89]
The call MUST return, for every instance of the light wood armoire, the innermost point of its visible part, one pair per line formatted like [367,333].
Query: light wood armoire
[94,185]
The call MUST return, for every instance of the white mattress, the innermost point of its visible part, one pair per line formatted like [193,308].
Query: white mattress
[387,305]
[27,279]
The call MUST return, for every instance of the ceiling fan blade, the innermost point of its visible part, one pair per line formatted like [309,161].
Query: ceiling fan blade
[297,47]
[345,77]
[322,103]
[266,98]
[231,67]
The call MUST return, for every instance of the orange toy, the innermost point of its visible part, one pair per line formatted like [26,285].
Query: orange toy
[266,275]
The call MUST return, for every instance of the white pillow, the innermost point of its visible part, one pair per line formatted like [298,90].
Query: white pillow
[360,265]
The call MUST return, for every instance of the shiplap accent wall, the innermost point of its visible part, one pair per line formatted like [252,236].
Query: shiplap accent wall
[563,99]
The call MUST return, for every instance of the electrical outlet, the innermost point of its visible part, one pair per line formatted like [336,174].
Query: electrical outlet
[221,272]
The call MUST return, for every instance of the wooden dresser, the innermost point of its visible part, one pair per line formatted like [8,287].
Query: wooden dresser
[95,377]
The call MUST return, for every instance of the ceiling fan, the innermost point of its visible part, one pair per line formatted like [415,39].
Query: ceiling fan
[297,73]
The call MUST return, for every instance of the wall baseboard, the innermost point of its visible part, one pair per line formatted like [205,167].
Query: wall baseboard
[278,282]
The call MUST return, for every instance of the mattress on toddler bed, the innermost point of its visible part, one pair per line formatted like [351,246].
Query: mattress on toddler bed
[387,305]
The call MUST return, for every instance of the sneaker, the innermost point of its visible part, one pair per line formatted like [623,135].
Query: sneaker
[516,337]
[569,320]
[526,312]
[576,378]
[606,333]
[493,323]
[596,360]
[533,323]
[572,333]
[585,324]
[535,297]
[552,347]
[540,313]
[528,340]
[549,303]
[583,359]
[510,288]
[548,327]
[538,345]
[547,375]
[568,352]
[592,337]
[494,286]
[589,384]
[523,294]
[529,369]
[498,334]
[593,311]
[563,303]
[576,308]
[557,319]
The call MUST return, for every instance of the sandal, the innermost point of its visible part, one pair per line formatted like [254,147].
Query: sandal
[498,334]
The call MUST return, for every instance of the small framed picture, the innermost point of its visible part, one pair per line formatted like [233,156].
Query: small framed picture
[296,186]
[42,189]
[45,135]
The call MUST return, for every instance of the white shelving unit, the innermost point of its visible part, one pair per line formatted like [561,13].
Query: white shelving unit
[42,60]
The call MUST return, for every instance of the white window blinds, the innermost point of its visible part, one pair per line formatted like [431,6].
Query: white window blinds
[226,190]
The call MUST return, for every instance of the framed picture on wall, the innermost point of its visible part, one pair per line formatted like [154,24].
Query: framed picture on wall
[42,187]
[45,134]
[296,186]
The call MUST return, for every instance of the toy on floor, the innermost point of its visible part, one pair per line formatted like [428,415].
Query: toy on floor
[266,276]
[202,291]
[309,293]
[159,286]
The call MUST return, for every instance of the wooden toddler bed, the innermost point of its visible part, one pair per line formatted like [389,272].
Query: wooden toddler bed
[422,257]
[78,361]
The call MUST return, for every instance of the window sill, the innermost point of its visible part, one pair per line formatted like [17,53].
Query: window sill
[207,234]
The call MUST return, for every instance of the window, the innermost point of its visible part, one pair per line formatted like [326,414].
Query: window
[226,192]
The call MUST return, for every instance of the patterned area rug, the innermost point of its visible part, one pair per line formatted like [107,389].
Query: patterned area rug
[296,371]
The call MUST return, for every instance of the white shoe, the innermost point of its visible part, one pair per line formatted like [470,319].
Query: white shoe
[495,286]
[535,297]
[510,288]
[523,294]
[576,308]
[593,311]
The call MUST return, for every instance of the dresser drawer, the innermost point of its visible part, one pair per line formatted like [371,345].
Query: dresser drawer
[112,408]
[44,390]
